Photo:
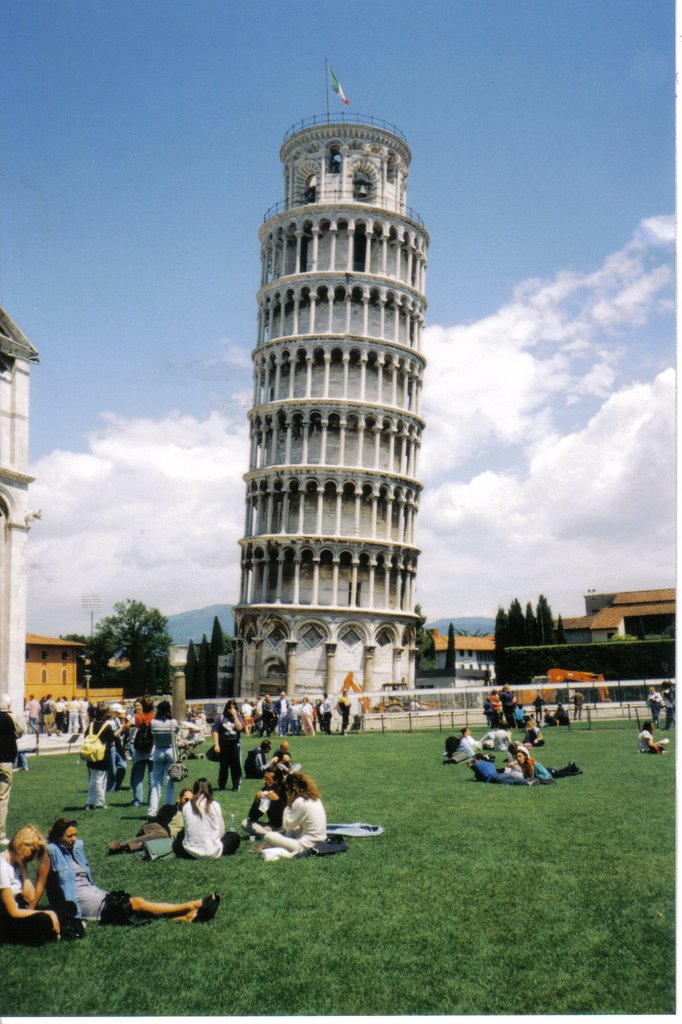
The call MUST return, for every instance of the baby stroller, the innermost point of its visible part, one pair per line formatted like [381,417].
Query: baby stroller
[187,741]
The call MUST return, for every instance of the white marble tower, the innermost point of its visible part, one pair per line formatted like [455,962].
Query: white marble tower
[329,559]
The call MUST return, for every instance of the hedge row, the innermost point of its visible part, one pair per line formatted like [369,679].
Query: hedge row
[643,659]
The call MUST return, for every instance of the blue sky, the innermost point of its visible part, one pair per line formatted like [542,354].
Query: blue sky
[140,153]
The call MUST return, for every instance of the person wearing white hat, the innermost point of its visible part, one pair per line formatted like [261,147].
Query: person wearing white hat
[9,732]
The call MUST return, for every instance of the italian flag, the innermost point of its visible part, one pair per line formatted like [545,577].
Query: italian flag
[336,86]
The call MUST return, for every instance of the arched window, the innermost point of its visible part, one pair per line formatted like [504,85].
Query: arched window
[390,170]
[334,160]
[310,191]
[362,187]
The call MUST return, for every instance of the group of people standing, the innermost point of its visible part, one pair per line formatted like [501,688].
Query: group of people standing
[291,716]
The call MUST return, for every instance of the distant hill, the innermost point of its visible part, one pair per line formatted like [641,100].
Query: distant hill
[192,625]
[471,625]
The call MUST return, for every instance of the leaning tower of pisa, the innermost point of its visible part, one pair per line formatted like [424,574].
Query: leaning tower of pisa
[328,557]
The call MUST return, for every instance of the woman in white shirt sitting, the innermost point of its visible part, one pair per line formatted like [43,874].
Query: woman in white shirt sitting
[204,832]
[304,822]
[19,922]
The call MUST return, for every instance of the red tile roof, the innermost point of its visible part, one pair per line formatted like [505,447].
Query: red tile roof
[50,641]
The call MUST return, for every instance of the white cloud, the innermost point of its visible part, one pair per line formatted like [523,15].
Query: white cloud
[592,509]
[509,378]
[572,486]
[152,511]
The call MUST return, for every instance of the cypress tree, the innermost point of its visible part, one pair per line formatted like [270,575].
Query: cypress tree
[545,621]
[191,689]
[517,625]
[531,626]
[203,659]
[560,634]
[450,652]
[501,642]
[217,648]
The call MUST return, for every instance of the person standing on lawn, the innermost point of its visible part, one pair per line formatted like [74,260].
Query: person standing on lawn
[654,703]
[307,718]
[227,730]
[508,705]
[669,705]
[98,770]
[343,708]
[164,730]
[10,731]
[141,748]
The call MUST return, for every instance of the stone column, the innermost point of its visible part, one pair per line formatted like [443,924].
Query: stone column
[178,700]
[331,658]
[397,658]
[291,646]
[368,666]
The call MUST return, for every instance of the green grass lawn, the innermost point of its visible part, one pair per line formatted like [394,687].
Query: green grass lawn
[476,899]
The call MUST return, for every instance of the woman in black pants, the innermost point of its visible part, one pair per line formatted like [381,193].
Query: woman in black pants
[226,733]
[18,922]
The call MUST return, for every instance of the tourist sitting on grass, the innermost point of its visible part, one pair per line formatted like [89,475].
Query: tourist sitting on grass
[269,801]
[533,736]
[64,873]
[168,822]
[204,829]
[496,739]
[646,743]
[19,922]
[485,771]
[467,742]
[281,760]
[561,716]
[256,761]
[304,822]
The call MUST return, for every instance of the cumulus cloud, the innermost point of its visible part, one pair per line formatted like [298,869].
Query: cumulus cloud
[594,508]
[509,378]
[548,463]
[153,510]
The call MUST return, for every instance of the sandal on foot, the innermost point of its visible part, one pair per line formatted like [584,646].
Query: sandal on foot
[208,909]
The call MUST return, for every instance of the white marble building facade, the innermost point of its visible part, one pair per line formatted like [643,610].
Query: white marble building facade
[329,558]
[16,356]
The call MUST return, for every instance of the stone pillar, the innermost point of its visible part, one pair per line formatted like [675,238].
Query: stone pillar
[291,646]
[178,699]
[331,658]
[368,666]
[397,658]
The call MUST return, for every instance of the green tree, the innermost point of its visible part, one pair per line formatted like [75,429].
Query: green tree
[531,626]
[516,625]
[426,650]
[138,635]
[203,669]
[217,649]
[450,652]
[191,671]
[545,621]
[501,643]
[560,633]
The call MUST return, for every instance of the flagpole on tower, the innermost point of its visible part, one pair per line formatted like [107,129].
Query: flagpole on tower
[326,83]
